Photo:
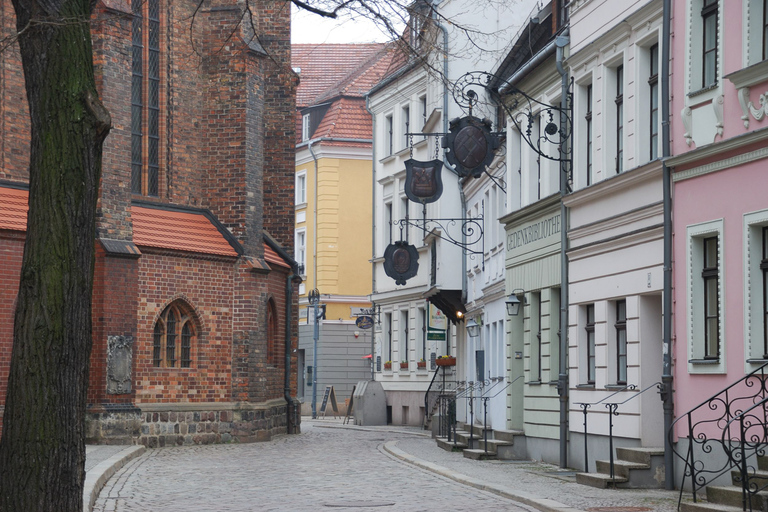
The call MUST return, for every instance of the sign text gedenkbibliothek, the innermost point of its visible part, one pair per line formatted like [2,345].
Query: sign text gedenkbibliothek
[533,232]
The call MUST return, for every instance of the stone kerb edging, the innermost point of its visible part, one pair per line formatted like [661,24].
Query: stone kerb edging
[102,472]
[543,504]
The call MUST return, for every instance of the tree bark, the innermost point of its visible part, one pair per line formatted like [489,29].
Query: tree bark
[42,450]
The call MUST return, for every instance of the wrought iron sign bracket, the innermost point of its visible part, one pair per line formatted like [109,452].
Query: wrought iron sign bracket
[470,235]
[554,138]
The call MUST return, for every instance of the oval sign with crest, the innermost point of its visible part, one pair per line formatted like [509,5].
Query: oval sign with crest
[364,322]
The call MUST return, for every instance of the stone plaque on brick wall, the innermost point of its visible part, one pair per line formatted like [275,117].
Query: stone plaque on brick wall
[119,364]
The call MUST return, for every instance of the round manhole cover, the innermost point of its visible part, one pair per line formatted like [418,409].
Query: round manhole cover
[619,509]
[358,504]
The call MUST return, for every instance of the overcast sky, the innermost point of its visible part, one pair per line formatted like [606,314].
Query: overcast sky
[311,28]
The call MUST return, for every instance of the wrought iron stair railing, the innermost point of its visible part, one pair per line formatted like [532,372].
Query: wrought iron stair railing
[711,451]
[745,438]
[441,386]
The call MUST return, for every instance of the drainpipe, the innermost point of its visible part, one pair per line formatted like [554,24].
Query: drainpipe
[373,229]
[314,214]
[291,406]
[666,376]
[562,381]
[448,166]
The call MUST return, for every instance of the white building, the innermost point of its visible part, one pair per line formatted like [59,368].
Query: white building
[417,98]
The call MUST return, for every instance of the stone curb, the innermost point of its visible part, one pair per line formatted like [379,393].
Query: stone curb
[102,472]
[543,504]
[383,428]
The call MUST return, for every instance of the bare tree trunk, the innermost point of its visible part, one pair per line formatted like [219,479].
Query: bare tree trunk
[42,450]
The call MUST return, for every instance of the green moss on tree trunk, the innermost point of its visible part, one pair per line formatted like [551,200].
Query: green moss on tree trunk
[42,450]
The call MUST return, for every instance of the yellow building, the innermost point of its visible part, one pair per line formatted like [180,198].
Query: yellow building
[334,205]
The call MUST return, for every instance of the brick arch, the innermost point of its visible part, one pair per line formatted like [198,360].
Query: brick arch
[186,305]
[177,334]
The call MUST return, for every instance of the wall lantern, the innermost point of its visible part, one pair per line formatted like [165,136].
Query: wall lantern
[513,303]
[473,328]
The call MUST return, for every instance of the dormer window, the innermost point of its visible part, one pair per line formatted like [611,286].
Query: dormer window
[305,127]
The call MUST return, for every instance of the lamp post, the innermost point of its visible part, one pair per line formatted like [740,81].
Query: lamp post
[314,299]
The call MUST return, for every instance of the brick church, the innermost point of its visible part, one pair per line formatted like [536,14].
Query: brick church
[195,300]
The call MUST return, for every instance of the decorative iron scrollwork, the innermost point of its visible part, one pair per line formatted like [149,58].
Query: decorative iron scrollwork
[551,142]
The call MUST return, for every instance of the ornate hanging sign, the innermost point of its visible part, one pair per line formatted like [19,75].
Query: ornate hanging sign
[401,261]
[470,146]
[423,180]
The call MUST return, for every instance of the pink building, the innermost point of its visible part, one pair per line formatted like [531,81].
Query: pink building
[720,213]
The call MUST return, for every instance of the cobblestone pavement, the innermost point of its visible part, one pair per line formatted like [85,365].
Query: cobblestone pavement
[539,479]
[321,468]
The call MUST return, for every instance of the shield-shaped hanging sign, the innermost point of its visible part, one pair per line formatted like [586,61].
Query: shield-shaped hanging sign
[470,145]
[423,180]
[401,261]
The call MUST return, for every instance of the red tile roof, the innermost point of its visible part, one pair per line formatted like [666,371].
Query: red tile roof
[272,257]
[13,208]
[182,231]
[340,74]
[324,66]
[346,118]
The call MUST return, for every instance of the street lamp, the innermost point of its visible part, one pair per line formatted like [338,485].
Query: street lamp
[314,299]
[473,328]
[513,303]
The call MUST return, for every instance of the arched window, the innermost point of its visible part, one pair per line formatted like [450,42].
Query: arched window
[273,354]
[173,337]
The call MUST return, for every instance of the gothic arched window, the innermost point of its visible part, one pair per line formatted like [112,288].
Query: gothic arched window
[173,338]
[273,354]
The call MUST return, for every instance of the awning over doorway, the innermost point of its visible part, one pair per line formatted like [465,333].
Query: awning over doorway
[447,301]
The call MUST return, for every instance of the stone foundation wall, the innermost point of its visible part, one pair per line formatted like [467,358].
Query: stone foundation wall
[181,424]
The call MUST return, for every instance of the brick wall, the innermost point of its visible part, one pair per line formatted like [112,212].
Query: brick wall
[14,114]
[115,301]
[207,287]
[280,107]
[226,135]
[11,251]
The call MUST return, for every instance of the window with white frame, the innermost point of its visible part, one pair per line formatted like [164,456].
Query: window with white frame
[588,132]
[619,119]
[589,328]
[705,283]
[387,332]
[404,213]
[756,286]
[405,333]
[653,100]
[305,127]
[301,187]
[554,334]
[388,134]
[704,38]
[300,253]
[621,341]
[405,116]
[536,340]
[388,222]
[423,105]
[755,31]
[709,23]
[421,332]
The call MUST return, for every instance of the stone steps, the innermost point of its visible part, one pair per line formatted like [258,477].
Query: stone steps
[500,443]
[599,480]
[641,468]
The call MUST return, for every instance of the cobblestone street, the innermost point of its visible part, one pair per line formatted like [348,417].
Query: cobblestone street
[321,468]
